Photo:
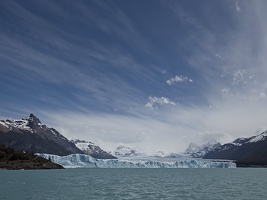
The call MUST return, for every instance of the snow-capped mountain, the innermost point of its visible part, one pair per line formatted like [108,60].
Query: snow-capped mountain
[123,151]
[244,150]
[239,141]
[92,149]
[258,138]
[29,134]
[196,151]
[159,154]
[192,148]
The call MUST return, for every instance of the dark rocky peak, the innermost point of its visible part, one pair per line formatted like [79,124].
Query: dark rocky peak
[28,134]
[8,120]
[33,121]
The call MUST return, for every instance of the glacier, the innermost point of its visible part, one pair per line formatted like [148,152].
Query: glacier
[86,161]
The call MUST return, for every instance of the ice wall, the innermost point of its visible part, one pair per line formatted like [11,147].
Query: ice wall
[86,161]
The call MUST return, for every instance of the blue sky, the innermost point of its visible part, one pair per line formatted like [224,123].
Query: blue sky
[154,75]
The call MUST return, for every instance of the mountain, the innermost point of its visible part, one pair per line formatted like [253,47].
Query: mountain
[92,149]
[30,135]
[196,151]
[246,151]
[192,149]
[123,151]
[159,154]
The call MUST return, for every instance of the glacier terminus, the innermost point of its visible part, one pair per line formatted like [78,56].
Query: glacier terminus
[86,161]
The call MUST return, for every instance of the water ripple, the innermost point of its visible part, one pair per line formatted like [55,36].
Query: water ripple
[197,184]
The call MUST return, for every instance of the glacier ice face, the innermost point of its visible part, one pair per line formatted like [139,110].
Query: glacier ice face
[86,161]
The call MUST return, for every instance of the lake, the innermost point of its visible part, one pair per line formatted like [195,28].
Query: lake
[206,184]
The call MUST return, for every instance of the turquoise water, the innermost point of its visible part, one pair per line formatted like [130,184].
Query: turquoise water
[135,184]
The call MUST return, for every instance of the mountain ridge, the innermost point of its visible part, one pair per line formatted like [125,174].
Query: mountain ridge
[196,151]
[123,151]
[29,134]
[246,151]
[89,148]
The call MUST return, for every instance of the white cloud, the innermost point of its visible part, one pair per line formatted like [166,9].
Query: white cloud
[158,100]
[239,77]
[218,56]
[164,71]
[109,131]
[179,78]
[262,95]
[225,90]
[237,7]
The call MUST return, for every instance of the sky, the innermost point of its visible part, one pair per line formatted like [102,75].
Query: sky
[153,75]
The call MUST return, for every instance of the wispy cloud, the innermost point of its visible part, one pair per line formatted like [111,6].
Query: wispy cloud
[224,115]
[238,77]
[171,131]
[241,49]
[218,56]
[153,101]
[76,59]
[237,7]
[109,131]
[179,78]
[225,90]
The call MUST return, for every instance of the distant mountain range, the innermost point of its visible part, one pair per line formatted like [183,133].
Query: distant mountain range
[123,151]
[196,151]
[29,134]
[246,151]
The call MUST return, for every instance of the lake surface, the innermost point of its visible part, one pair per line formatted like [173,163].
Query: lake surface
[142,184]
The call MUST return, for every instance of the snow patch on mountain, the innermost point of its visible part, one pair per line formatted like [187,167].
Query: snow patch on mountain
[160,154]
[258,138]
[84,145]
[20,124]
[26,123]
[196,151]
[127,152]
[240,141]
[2,122]
[92,149]
[192,148]
[123,151]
